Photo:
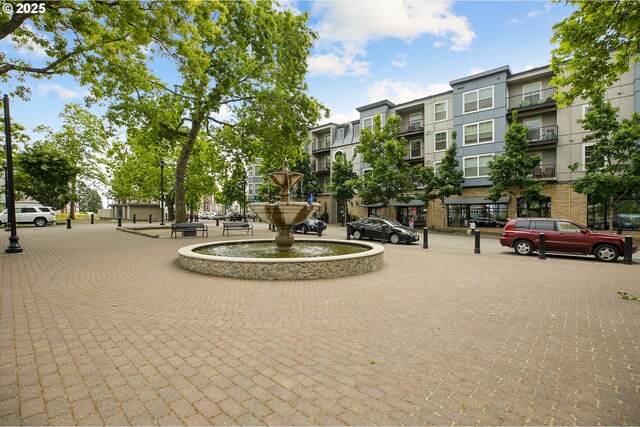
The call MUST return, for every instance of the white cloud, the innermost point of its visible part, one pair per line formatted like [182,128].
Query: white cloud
[399,91]
[30,48]
[345,28]
[400,60]
[60,91]
[339,118]
[358,23]
[475,70]
[337,64]
[531,14]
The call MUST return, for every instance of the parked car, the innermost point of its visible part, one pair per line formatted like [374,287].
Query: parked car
[563,236]
[310,225]
[38,215]
[488,222]
[234,216]
[371,228]
[217,215]
[205,215]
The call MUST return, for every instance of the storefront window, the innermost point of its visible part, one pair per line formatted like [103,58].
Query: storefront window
[406,214]
[461,215]
[534,208]
[627,215]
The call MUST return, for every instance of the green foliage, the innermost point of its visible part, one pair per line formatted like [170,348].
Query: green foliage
[613,172]
[309,182]
[596,44]
[509,172]
[390,177]
[344,181]
[89,199]
[447,181]
[45,173]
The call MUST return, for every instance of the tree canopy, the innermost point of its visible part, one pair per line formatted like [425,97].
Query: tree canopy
[390,176]
[612,170]
[344,182]
[596,44]
[510,172]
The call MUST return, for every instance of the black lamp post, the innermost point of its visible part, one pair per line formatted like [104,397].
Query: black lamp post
[161,192]
[14,246]
[244,196]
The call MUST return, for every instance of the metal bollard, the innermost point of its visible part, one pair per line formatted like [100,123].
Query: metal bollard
[68,223]
[134,218]
[542,246]
[425,238]
[476,249]
[119,221]
[217,222]
[628,248]
[91,218]
[348,231]
[319,231]
[383,238]
[149,218]
[619,231]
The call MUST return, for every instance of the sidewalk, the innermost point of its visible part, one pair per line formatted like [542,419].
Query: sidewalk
[101,326]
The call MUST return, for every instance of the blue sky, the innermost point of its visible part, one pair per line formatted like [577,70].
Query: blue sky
[372,50]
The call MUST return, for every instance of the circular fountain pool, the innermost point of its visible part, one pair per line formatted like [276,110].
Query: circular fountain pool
[259,259]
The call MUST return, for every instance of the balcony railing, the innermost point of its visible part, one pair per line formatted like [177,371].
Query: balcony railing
[543,135]
[323,166]
[543,172]
[533,99]
[411,126]
[320,146]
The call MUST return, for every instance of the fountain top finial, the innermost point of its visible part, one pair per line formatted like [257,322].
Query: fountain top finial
[285,165]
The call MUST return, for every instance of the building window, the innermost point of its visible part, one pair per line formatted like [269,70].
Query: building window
[415,121]
[531,92]
[441,141]
[436,166]
[327,139]
[534,208]
[478,133]
[587,156]
[356,129]
[477,166]
[477,100]
[534,125]
[340,133]
[461,215]
[367,123]
[365,172]
[415,148]
[440,111]
[338,154]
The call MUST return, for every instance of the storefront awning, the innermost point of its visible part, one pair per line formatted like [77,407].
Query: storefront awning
[374,205]
[411,203]
[473,200]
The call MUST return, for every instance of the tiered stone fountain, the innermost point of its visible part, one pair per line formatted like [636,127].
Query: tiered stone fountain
[260,259]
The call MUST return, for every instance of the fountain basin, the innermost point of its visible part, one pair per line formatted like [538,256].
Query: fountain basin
[301,268]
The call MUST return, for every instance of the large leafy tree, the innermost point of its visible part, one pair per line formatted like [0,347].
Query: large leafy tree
[344,182]
[510,172]
[596,44]
[309,182]
[446,181]
[246,58]
[613,170]
[86,39]
[45,173]
[89,199]
[390,176]
[84,139]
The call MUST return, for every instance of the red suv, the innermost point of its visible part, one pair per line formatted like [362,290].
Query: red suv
[561,235]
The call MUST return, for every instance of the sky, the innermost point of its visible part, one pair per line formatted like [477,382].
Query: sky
[370,50]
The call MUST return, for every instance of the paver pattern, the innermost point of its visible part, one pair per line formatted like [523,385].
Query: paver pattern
[102,327]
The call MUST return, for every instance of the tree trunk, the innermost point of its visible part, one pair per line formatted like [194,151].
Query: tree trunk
[72,204]
[612,213]
[181,168]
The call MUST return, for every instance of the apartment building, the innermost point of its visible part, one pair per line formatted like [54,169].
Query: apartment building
[479,108]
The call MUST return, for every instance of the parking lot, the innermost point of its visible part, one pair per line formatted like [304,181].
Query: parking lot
[100,326]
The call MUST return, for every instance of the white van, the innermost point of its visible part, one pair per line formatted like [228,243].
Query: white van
[38,215]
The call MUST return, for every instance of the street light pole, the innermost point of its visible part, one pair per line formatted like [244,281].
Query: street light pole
[244,196]
[14,246]
[161,192]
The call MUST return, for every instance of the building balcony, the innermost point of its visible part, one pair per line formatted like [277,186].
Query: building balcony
[533,100]
[411,126]
[414,159]
[320,146]
[543,172]
[321,167]
[544,135]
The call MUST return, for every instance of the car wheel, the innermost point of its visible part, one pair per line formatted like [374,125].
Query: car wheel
[606,253]
[305,229]
[357,234]
[395,239]
[523,247]
[40,222]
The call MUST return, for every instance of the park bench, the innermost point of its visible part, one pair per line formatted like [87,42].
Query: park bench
[226,226]
[189,229]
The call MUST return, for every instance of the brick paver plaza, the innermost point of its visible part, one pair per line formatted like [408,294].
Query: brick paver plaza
[99,327]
